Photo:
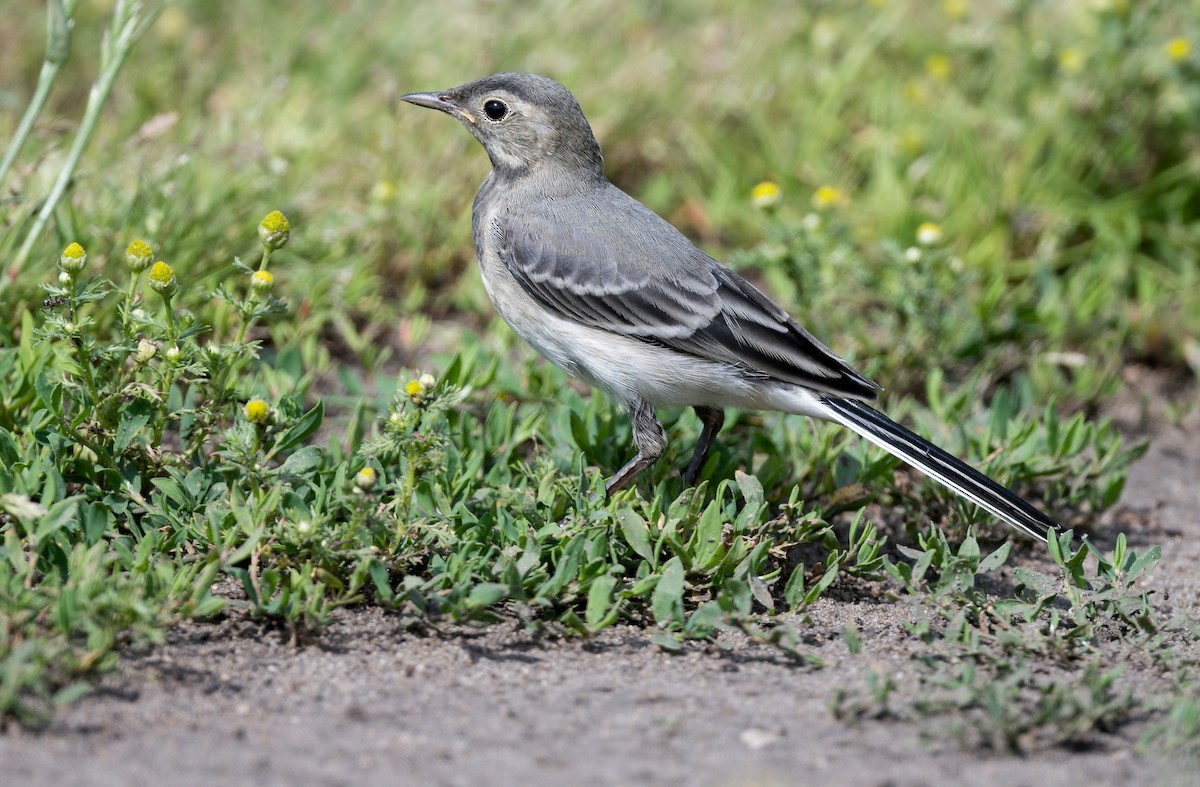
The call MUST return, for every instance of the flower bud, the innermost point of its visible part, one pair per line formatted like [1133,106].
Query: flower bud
[162,280]
[1179,49]
[929,234]
[827,197]
[72,259]
[257,411]
[366,478]
[138,256]
[261,283]
[766,195]
[274,230]
[146,350]
[427,381]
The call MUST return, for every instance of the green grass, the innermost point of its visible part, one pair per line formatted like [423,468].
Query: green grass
[1054,148]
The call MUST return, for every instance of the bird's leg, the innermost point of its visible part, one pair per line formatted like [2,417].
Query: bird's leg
[651,441]
[713,419]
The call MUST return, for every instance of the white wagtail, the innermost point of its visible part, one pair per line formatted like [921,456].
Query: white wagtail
[616,296]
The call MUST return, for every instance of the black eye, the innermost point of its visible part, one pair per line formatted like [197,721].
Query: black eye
[495,109]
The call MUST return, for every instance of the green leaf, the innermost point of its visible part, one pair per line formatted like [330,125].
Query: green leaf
[57,516]
[302,429]
[485,594]
[1055,547]
[379,577]
[793,591]
[599,600]
[636,532]
[969,550]
[1144,563]
[706,546]
[565,570]
[50,394]
[736,597]
[750,486]
[10,451]
[762,594]
[172,490]
[667,642]
[667,601]
[134,418]
[831,572]
[96,519]
[996,559]
[1042,584]
[706,617]
[303,462]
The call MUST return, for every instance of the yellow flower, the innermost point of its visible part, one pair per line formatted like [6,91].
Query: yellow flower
[162,280]
[383,192]
[929,234]
[73,259]
[417,389]
[765,194]
[1179,49]
[274,230]
[827,197]
[955,9]
[365,479]
[257,411]
[915,93]
[1070,60]
[172,23]
[938,67]
[138,256]
[261,282]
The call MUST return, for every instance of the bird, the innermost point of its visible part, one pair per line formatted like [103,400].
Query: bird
[616,296]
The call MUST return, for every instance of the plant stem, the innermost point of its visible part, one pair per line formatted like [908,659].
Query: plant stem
[58,50]
[129,296]
[127,26]
[172,326]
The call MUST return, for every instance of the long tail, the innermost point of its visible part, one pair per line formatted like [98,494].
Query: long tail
[940,466]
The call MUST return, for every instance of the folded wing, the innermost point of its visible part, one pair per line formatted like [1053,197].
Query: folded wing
[627,271]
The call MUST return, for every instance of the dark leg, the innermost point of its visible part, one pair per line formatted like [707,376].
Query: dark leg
[651,441]
[712,419]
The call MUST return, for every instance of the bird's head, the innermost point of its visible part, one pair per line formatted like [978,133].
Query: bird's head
[525,122]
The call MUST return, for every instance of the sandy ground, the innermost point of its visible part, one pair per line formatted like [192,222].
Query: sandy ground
[372,702]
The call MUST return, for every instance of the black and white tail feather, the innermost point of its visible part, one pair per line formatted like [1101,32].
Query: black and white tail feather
[943,467]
